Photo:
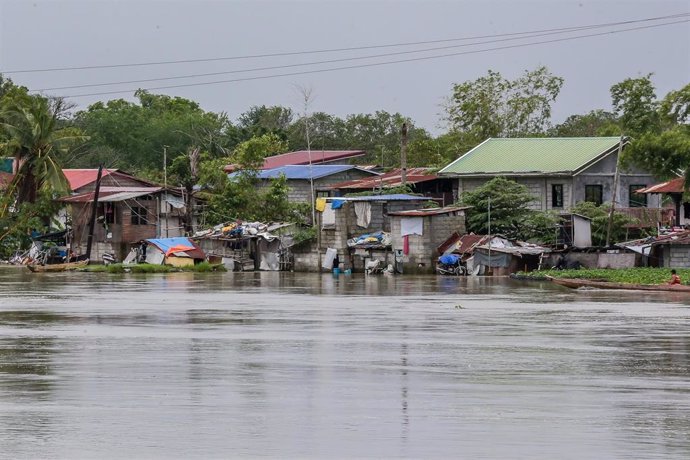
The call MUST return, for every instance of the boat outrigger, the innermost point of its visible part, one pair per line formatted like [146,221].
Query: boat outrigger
[578,283]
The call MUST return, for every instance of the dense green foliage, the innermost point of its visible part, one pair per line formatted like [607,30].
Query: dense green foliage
[600,219]
[505,204]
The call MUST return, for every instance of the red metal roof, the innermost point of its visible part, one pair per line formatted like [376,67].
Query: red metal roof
[672,186]
[302,157]
[390,179]
[78,178]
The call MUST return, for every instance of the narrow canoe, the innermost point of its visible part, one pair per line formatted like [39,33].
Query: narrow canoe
[58,267]
[578,283]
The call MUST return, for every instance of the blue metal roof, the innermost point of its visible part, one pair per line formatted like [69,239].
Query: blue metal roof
[394,197]
[302,172]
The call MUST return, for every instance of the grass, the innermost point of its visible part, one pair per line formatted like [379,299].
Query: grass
[637,275]
[203,267]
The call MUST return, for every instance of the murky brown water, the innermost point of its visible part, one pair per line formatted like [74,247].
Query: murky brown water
[295,365]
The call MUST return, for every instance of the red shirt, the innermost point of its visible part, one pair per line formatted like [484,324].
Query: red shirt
[675,279]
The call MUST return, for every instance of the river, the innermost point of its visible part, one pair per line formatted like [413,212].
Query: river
[287,365]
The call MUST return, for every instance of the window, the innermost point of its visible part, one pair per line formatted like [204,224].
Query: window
[637,200]
[139,215]
[108,213]
[594,194]
[556,195]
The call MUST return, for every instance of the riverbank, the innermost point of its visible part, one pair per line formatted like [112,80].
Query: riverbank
[638,275]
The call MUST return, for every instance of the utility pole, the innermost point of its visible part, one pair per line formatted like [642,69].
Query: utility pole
[165,187]
[489,229]
[94,211]
[613,193]
[403,155]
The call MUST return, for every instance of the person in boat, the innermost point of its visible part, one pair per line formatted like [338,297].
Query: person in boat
[675,279]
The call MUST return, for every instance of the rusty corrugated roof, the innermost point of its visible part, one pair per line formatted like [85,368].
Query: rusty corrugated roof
[110,194]
[390,179]
[304,157]
[676,185]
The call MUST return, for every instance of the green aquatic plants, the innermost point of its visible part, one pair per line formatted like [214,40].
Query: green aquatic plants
[637,275]
[203,267]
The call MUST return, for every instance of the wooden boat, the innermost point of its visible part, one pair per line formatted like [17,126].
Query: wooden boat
[578,283]
[58,267]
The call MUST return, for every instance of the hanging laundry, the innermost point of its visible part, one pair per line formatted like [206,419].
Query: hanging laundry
[406,244]
[320,204]
[363,213]
[337,204]
[411,226]
[328,218]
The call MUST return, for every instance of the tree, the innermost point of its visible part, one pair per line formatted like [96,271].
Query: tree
[260,120]
[493,106]
[600,218]
[509,207]
[634,102]
[595,123]
[510,213]
[35,140]
[132,136]
[660,130]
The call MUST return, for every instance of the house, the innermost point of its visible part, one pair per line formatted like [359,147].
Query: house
[129,210]
[300,178]
[306,157]
[558,172]
[675,189]
[422,181]
[416,235]
[350,225]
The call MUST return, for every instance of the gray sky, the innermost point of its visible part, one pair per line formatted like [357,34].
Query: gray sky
[44,34]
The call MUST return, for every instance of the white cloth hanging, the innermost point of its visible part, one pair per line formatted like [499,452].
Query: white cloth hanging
[363,213]
[328,217]
[411,226]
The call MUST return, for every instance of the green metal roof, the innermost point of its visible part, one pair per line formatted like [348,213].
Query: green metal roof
[546,155]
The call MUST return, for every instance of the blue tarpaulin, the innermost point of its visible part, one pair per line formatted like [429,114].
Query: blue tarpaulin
[166,243]
[449,259]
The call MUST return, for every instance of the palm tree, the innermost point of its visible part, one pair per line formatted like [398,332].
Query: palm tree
[35,139]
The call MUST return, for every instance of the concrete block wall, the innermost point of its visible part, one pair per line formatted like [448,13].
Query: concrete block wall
[422,254]
[679,256]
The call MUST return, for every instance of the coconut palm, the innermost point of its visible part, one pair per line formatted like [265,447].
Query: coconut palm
[35,140]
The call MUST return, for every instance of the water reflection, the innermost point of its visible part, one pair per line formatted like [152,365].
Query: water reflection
[301,365]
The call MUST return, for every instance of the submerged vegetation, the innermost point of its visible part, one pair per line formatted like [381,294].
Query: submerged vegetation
[203,267]
[638,275]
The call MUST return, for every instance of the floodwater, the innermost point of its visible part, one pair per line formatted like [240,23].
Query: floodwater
[286,365]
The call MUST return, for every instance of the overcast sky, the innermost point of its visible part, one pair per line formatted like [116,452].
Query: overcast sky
[48,34]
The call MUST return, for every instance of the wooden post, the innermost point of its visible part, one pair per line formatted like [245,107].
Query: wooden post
[403,155]
[613,193]
[94,210]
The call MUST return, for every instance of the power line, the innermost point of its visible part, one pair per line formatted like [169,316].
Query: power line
[286,66]
[333,50]
[378,64]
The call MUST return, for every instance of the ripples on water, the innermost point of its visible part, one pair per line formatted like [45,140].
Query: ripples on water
[298,365]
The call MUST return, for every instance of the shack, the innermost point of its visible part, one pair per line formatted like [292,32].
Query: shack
[501,257]
[340,220]
[417,234]
[249,246]
[177,252]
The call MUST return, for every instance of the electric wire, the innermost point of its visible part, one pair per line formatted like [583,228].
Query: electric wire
[378,64]
[303,64]
[333,50]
